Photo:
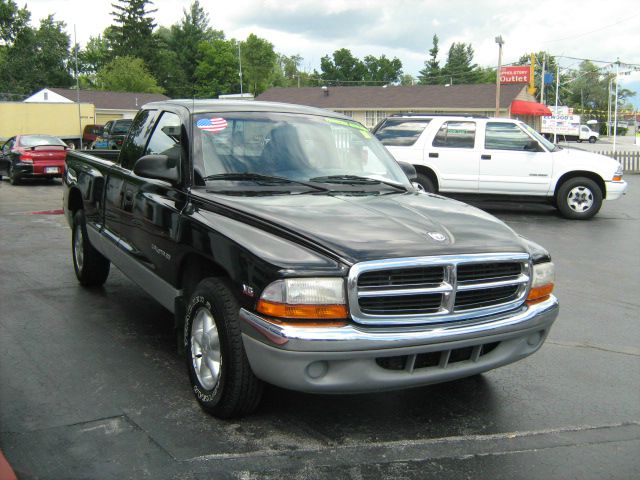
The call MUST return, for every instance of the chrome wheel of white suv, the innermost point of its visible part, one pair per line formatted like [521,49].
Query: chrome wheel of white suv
[579,198]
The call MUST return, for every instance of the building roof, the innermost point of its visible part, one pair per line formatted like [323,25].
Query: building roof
[110,100]
[435,97]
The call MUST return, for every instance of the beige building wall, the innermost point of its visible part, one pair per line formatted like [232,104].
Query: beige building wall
[59,119]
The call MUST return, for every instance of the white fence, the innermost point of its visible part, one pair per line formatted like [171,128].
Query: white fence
[630,160]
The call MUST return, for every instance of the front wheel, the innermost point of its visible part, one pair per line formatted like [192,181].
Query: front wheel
[220,374]
[592,139]
[579,198]
[426,183]
[91,267]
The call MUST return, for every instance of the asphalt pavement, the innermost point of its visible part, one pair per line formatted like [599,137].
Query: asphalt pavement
[91,386]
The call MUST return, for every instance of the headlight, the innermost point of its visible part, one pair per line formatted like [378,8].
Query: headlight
[617,177]
[542,282]
[304,298]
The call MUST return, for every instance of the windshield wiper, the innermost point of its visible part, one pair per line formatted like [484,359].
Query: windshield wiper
[357,180]
[258,177]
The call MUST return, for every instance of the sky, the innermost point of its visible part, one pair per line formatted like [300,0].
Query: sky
[404,29]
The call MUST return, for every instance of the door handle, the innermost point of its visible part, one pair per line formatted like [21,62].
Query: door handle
[485,157]
[433,155]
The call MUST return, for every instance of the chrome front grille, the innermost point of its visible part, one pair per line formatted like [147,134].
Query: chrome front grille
[437,289]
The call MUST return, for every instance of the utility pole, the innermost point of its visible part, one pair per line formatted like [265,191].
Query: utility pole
[555,126]
[544,66]
[609,108]
[615,115]
[75,41]
[240,63]
[500,42]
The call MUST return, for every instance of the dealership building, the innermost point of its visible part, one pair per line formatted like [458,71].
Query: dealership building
[369,105]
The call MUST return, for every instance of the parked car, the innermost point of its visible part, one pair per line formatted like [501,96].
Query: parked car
[500,158]
[113,135]
[91,133]
[32,156]
[292,249]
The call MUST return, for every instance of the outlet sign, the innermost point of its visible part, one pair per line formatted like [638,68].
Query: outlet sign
[515,74]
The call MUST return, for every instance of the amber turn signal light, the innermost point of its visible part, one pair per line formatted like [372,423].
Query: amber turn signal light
[307,312]
[538,294]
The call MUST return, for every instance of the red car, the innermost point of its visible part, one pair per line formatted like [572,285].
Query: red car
[32,156]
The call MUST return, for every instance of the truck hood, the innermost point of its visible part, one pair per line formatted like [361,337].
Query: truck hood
[580,159]
[366,227]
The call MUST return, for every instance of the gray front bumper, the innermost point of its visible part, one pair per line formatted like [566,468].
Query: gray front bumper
[348,359]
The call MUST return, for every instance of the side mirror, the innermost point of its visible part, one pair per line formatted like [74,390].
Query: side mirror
[532,146]
[159,167]
[409,170]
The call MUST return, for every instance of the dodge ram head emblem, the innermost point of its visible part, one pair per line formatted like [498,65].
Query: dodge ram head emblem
[437,236]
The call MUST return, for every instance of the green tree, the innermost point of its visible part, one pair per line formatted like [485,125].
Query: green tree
[430,75]
[342,67]
[51,54]
[217,72]
[36,58]
[166,68]
[459,67]
[487,74]
[13,21]
[382,70]
[185,38]
[258,63]
[127,74]
[407,80]
[132,31]
[287,72]
[95,55]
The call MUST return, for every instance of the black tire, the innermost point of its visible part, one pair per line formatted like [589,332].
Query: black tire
[592,139]
[234,390]
[14,179]
[579,198]
[91,267]
[426,183]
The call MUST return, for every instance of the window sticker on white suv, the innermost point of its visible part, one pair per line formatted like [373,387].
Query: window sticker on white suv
[456,134]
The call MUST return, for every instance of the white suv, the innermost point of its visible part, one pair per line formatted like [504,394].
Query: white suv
[500,157]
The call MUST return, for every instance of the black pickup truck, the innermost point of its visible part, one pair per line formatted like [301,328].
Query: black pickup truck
[294,250]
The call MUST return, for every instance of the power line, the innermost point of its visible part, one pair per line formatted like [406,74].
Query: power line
[594,31]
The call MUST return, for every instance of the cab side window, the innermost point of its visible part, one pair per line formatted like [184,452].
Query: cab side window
[133,147]
[396,132]
[165,139]
[456,134]
[6,148]
[505,136]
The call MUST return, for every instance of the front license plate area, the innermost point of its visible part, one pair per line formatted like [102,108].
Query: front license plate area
[51,170]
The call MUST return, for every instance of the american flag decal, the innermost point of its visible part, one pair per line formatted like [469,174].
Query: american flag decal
[212,124]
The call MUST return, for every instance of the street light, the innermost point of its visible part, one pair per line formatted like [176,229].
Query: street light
[500,42]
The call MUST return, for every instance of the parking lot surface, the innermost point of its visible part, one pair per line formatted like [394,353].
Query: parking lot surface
[91,386]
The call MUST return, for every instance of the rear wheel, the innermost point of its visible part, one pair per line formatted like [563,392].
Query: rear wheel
[426,183]
[579,198]
[91,267]
[14,178]
[220,374]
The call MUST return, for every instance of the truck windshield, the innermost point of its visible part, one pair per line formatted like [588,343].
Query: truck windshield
[547,144]
[297,147]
